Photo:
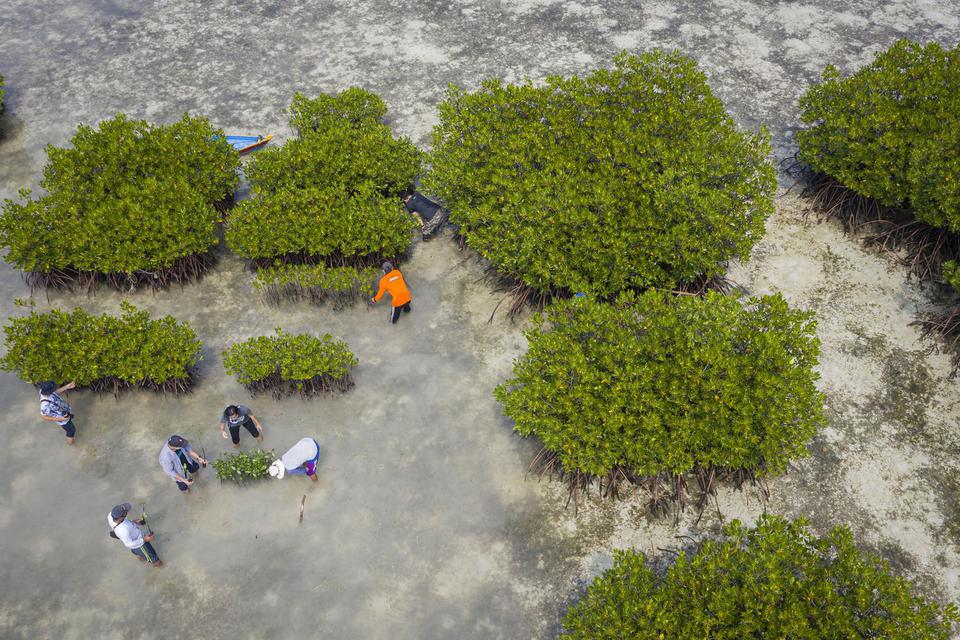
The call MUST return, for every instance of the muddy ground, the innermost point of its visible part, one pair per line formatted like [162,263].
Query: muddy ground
[424,523]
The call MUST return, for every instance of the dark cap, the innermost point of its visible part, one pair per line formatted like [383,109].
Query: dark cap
[120,511]
[386,266]
[177,441]
[48,387]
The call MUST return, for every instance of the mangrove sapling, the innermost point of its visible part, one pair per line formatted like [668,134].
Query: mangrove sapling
[317,283]
[287,364]
[143,517]
[642,393]
[241,467]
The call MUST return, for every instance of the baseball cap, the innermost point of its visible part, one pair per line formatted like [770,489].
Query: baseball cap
[120,511]
[177,441]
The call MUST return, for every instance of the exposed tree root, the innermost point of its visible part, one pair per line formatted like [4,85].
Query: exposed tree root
[114,385]
[920,247]
[333,260]
[317,385]
[184,270]
[944,331]
[668,492]
[294,291]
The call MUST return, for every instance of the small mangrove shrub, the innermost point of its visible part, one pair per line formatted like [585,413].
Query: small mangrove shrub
[104,353]
[331,195]
[243,466]
[291,363]
[316,283]
[129,203]
[658,386]
[628,177]
[778,580]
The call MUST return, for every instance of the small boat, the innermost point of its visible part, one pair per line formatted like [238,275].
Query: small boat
[248,143]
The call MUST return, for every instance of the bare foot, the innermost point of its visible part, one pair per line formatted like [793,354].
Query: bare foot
[158,564]
[185,491]
[69,440]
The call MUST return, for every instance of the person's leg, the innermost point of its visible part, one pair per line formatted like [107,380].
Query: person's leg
[139,553]
[193,466]
[70,430]
[394,314]
[183,487]
[406,308]
[436,222]
[151,554]
[252,428]
[235,434]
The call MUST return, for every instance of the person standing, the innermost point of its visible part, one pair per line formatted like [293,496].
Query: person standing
[177,459]
[430,213]
[300,459]
[53,408]
[236,416]
[393,282]
[131,535]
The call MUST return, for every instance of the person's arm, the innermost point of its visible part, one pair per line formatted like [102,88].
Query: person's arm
[67,387]
[149,537]
[256,423]
[383,289]
[171,470]
[53,418]
[223,428]
[196,456]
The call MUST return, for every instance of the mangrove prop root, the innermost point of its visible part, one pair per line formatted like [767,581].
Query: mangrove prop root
[332,260]
[115,385]
[281,388]
[668,492]
[943,329]
[893,230]
[184,270]
[294,291]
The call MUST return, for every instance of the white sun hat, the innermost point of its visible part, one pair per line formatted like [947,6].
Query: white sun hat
[277,470]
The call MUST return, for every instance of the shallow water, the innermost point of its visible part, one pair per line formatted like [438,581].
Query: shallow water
[424,524]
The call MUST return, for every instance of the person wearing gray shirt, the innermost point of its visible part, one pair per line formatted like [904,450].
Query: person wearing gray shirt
[177,454]
[236,416]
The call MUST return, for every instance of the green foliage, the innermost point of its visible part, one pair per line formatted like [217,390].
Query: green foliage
[891,131]
[102,352]
[128,197]
[629,177]
[241,467]
[316,282]
[951,274]
[666,384]
[778,580]
[333,191]
[289,363]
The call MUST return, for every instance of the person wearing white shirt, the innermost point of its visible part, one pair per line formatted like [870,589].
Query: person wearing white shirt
[300,459]
[127,532]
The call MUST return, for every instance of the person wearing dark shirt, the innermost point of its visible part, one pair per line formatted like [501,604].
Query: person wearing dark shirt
[432,214]
[236,416]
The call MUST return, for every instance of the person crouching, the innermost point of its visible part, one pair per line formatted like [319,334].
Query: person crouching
[300,459]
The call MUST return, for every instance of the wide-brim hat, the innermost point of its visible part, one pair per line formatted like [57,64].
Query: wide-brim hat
[277,470]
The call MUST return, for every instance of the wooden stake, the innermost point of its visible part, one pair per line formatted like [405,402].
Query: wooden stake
[302,500]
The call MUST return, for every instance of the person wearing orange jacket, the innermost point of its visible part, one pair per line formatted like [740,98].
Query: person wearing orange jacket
[393,282]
